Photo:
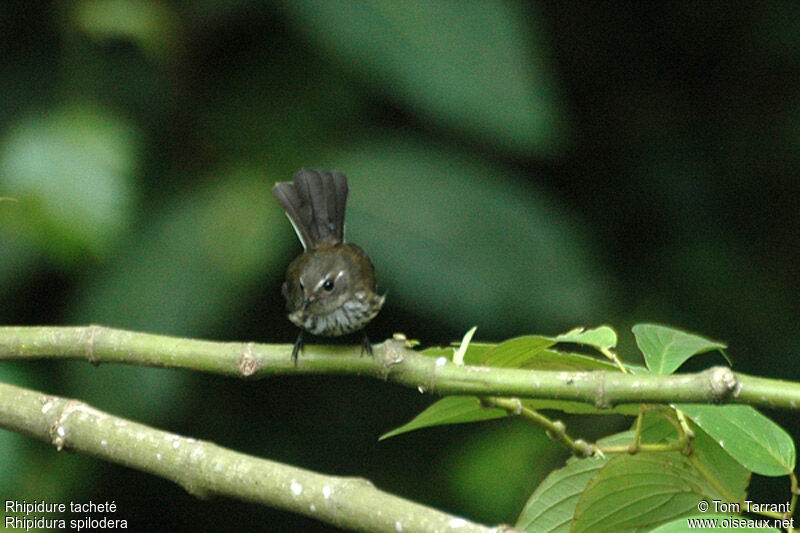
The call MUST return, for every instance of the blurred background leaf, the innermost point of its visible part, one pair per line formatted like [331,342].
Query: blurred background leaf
[71,169]
[151,26]
[476,66]
[526,262]
[524,167]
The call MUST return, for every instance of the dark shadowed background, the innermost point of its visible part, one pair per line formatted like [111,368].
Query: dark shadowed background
[526,168]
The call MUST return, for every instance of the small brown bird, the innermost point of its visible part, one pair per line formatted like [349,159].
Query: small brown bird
[330,289]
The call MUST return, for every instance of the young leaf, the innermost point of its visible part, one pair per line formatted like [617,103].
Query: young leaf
[602,337]
[439,351]
[665,349]
[474,354]
[475,351]
[523,352]
[458,356]
[755,441]
[533,352]
[449,410]
[515,353]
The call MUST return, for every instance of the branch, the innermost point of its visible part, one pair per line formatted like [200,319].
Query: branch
[205,469]
[394,361]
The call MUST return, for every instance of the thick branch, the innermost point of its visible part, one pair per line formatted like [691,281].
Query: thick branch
[393,361]
[204,468]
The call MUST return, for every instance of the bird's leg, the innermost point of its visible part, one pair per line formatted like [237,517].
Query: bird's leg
[298,347]
[366,346]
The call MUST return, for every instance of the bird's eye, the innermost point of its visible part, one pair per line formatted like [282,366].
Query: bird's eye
[328,285]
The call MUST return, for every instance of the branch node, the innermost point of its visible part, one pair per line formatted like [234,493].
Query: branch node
[47,403]
[582,449]
[601,402]
[92,333]
[357,481]
[556,431]
[58,434]
[197,491]
[517,407]
[391,354]
[248,364]
[722,382]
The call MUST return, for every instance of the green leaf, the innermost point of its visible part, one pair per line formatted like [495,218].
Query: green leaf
[715,461]
[720,465]
[532,352]
[475,351]
[552,505]
[71,170]
[656,429]
[665,349]
[514,353]
[449,410]
[632,492]
[602,337]
[473,66]
[521,352]
[755,441]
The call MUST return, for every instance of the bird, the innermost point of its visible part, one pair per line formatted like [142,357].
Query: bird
[331,288]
